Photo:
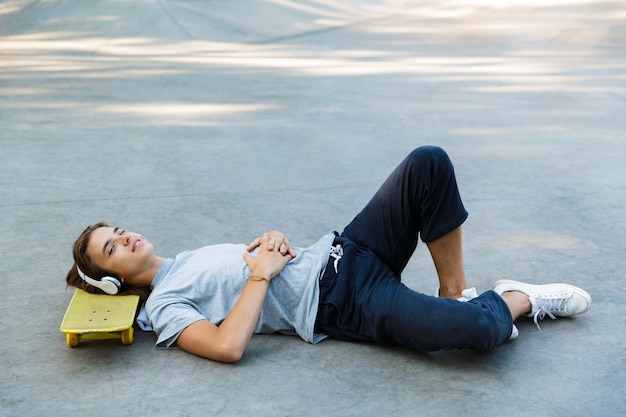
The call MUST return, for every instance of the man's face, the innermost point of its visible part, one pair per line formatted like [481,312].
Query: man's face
[125,253]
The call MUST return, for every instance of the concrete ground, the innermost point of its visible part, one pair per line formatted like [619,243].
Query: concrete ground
[198,122]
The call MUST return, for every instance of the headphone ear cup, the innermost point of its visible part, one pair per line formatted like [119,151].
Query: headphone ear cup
[110,285]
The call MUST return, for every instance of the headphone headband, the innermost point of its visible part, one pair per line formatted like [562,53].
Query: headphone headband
[109,285]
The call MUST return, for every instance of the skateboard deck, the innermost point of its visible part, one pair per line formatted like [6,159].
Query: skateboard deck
[99,317]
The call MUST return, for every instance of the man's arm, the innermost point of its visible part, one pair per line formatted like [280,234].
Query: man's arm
[228,341]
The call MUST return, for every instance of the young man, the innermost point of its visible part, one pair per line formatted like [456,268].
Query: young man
[210,301]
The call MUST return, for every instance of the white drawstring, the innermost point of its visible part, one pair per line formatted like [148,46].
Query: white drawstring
[337,253]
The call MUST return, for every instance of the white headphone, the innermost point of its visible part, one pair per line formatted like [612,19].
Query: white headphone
[109,285]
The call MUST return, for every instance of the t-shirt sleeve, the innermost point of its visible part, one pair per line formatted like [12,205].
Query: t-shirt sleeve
[170,321]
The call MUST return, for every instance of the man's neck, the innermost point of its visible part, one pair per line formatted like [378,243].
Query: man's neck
[145,278]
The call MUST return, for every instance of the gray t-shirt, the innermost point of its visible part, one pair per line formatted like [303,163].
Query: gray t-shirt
[206,283]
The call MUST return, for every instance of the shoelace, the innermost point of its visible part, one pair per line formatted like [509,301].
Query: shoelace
[547,307]
[337,253]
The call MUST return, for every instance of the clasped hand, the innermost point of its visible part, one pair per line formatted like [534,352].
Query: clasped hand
[274,253]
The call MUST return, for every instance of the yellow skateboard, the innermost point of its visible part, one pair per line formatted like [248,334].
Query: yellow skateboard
[99,317]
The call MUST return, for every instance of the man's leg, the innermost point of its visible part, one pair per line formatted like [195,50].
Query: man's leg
[363,302]
[419,199]
[447,254]
[518,302]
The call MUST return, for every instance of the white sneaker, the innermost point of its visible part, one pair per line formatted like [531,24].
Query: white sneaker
[553,300]
[469,294]
[466,294]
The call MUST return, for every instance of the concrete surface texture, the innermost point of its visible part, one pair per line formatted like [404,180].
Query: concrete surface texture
[199,122]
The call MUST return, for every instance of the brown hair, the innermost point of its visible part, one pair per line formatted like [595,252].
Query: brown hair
[85,264]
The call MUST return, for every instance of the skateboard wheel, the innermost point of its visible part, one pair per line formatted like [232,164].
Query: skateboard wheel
[72,339]
[127,336]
